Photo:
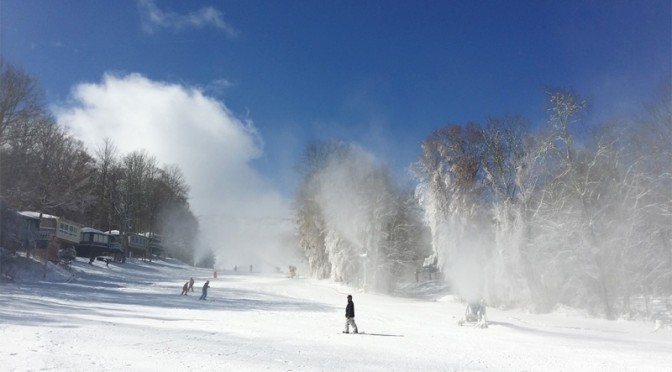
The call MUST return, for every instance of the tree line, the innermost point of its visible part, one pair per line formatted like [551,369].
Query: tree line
[44,168]
[562,213]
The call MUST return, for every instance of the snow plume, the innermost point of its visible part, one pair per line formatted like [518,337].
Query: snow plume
[504,268]
[241,217]
[347,187]
[458,244]
[347,213]
[477,251]
[474,238]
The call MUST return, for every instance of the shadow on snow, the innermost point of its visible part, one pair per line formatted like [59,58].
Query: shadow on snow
[96,295]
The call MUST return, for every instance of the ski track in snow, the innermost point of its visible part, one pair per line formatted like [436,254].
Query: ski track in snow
[131,317]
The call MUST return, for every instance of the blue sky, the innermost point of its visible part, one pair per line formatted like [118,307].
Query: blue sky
[384,74]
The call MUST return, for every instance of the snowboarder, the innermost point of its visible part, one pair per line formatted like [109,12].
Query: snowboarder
[205,290]
[350,316]
[191,284]
[185,288]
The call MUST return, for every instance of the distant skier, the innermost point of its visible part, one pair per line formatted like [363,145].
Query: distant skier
[350,316]
[205,290]
[185,288]
[191,284]
[250,268]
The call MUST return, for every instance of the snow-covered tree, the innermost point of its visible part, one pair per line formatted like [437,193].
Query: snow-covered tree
[352,224]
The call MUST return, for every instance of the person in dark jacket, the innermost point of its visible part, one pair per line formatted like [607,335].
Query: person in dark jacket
[205,290]
[350,316]
[191,284]
[185,287]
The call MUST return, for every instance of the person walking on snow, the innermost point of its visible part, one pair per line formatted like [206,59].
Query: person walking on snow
[191,284]
[185,288]
[350,316]
[205,290]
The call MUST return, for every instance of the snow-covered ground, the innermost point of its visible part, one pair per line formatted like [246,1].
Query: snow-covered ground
[131,317]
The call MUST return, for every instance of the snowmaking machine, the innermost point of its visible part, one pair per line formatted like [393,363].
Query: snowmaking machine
[474,315]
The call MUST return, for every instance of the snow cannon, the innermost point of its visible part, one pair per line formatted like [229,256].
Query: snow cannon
[474,315]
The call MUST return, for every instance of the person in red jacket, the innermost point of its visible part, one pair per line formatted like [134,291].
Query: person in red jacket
[185,288]
[350,316]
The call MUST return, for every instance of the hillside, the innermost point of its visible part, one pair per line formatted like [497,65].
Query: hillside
[131,317]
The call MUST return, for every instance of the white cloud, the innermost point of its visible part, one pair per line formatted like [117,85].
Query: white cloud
[218,86]
[155,19]
[240,213]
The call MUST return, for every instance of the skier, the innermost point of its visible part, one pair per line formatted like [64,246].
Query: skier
[185,288]
[191,284]
[350,316]
[205,290]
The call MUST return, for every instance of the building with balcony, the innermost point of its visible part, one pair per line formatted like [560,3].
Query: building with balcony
[144,245]
[94,243]
[64,232]
[18,232]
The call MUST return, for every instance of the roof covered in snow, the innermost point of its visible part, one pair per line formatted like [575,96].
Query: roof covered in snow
[36,215]
[91,229]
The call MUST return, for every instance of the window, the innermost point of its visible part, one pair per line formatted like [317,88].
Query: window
[67,229]
[101,238]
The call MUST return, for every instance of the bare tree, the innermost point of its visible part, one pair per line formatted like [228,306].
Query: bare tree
[101,215]
[506,158]
[54,172]
[20,102]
